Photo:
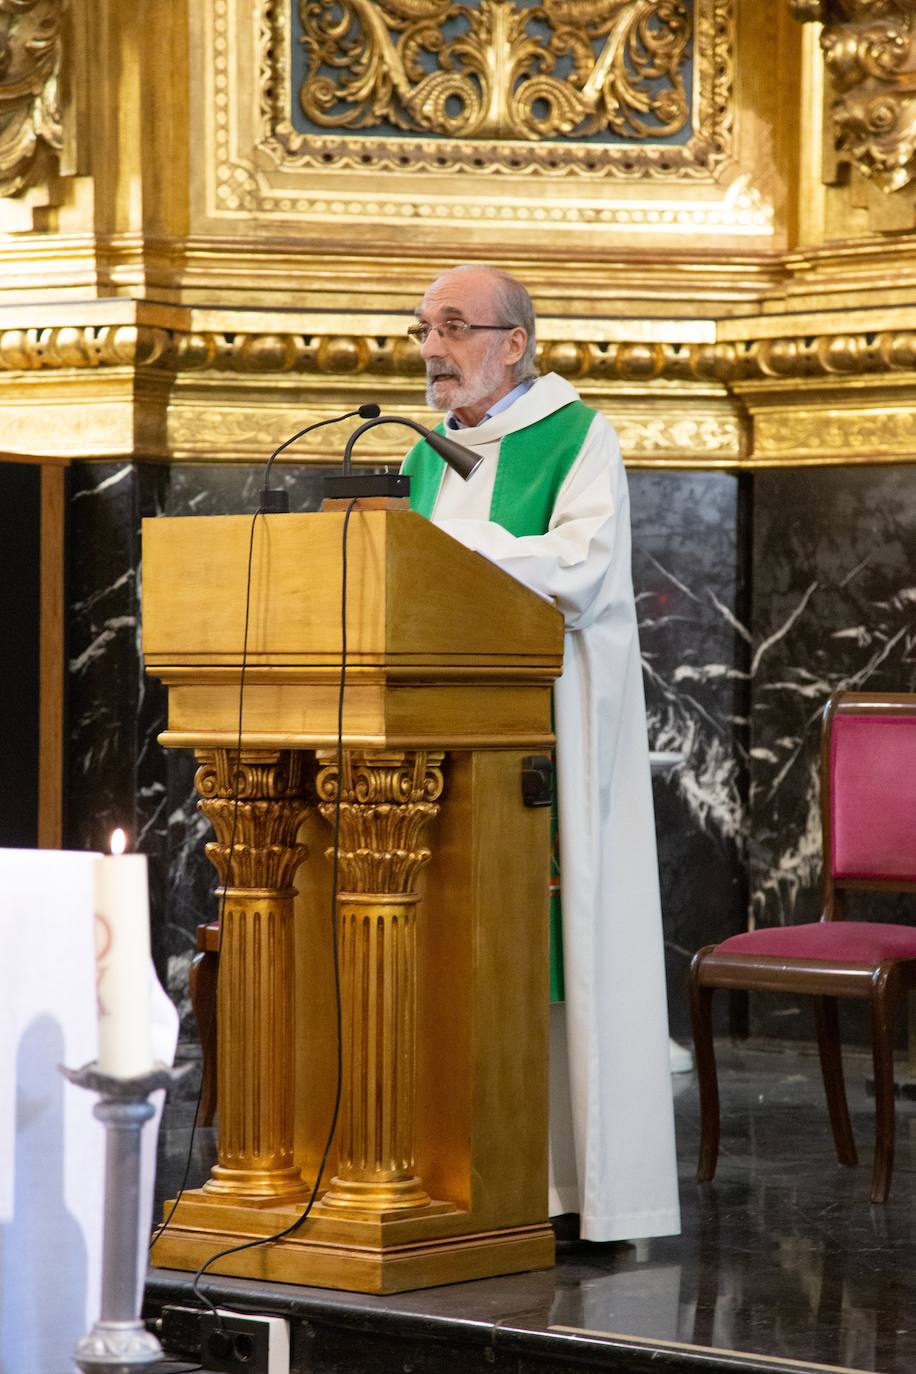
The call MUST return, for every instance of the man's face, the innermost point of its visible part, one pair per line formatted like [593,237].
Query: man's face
[469,374]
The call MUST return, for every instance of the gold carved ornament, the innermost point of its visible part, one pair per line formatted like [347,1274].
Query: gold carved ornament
[30,51]
[609,73]
[256,802]
[386,804]
[391,356]
[869,49]
[499,69]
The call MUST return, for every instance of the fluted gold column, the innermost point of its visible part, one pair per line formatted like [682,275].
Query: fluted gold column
[387,801]
[273,792]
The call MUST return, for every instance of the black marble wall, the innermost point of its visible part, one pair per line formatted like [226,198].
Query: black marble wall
[20,555]
[691,583]
[756,598]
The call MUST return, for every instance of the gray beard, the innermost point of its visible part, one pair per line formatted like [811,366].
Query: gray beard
[472,390]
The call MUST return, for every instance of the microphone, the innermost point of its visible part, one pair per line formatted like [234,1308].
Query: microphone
[462,460]
[276,502]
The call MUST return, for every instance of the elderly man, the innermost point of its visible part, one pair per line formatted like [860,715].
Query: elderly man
[549,504]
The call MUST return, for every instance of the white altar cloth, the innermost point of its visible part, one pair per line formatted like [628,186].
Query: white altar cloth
[51,1146]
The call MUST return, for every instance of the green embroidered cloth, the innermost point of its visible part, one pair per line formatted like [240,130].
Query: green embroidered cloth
[533,465]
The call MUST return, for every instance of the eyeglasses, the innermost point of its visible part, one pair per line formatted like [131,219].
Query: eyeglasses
[454,330]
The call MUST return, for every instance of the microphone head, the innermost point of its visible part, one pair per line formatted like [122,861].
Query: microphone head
[369,411]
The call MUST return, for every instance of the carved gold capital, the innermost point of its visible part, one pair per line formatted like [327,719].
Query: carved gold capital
[260,800]
[387,801]
[869,49]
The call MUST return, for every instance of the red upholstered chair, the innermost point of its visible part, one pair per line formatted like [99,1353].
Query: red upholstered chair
[868,816]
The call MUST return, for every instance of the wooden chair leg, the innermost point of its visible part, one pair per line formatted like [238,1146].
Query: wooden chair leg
[828,1044]
[705,1055]
[883,1005]
[202,987]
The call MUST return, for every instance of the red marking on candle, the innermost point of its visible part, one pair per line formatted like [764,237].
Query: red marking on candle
[101,1009]
[103,936]
[103,942]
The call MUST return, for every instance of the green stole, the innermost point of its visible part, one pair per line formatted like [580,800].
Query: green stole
[533,464]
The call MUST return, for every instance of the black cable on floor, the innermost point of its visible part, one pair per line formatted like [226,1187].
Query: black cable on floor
[227,884]
[332,1130]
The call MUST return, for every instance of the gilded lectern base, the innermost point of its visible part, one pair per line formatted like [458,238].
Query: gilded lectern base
[357,1255]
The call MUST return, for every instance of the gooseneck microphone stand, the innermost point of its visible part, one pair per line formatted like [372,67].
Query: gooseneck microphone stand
[274,501]
[350,485]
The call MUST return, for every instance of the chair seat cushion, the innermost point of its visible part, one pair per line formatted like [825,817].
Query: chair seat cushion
[839,942]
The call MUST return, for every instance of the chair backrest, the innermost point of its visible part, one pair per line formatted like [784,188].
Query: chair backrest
[868,792]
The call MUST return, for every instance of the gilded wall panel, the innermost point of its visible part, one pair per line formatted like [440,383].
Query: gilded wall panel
[840,433]
[498,126]
[611,74]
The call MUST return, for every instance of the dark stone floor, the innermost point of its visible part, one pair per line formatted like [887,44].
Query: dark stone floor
[782,1257]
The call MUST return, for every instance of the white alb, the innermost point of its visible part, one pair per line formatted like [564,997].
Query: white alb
[611,1089]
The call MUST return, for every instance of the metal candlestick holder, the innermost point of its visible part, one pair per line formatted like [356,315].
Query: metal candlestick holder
[119,1343]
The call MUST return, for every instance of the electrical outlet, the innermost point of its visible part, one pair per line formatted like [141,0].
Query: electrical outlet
[250,1344]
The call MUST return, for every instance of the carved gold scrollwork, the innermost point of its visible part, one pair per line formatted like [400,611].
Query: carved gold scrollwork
[30,51]
[869,49]
[615,67]
[498,69]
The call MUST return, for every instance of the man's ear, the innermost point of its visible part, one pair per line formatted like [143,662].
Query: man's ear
[517,342]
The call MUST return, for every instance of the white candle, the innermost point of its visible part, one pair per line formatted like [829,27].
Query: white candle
[123,962]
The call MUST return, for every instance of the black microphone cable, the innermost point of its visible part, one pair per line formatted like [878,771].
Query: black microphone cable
[226,885]
[196,1288]
[271,502]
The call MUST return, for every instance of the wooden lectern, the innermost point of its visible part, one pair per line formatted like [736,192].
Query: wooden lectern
[438,1171]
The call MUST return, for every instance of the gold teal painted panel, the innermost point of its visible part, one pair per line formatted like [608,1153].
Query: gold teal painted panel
[587,88]
[610,70]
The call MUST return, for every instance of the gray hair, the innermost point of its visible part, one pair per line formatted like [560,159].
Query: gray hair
[513,306]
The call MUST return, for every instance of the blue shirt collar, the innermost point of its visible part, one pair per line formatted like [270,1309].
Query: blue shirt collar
[504,402]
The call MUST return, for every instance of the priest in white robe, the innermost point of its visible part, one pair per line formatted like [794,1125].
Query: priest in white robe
[549,504]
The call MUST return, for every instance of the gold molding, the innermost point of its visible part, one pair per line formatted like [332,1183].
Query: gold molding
[845,424]
[154,384]
[651,439]
[371,353]
[161,392]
